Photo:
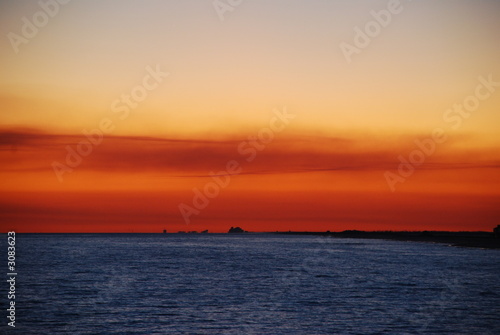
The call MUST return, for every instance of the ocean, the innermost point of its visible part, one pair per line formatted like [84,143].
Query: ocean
[248,284]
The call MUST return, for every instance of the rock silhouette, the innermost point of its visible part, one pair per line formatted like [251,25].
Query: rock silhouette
[236,230]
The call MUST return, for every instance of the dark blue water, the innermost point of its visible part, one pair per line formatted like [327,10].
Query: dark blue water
[250,284]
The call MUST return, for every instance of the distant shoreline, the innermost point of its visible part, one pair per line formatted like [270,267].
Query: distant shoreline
[478,239]
[483,240]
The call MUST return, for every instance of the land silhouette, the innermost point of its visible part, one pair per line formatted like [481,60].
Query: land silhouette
[478,239]
[236,230]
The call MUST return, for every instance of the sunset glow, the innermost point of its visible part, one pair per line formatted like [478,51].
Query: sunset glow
[128,116]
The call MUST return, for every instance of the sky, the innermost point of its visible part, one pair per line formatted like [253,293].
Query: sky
[139,116]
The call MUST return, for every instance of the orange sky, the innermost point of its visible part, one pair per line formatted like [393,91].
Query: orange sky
[115,115]
[296,182]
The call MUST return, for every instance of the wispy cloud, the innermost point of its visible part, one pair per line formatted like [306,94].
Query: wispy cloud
[31,149]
